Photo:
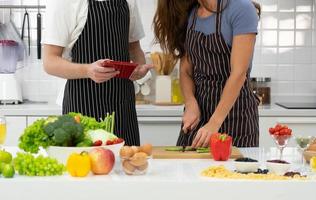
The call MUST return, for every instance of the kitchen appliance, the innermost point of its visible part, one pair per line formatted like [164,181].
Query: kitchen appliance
[261,87]
[293,105]
[10,90]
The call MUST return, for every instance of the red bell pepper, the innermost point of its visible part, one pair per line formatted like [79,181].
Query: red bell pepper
[221,146]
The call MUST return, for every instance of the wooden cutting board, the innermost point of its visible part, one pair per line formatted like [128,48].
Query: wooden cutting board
[161,153]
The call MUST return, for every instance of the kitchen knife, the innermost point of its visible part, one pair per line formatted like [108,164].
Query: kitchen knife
[39,33]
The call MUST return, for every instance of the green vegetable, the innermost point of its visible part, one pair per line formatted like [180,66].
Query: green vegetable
[35,137]
[85,143]
[198,150]
[65,131]
[179,149]
[203,150]
[89,123]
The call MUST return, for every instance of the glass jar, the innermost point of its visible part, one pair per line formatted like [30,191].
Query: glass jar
[177,97]
[261,86]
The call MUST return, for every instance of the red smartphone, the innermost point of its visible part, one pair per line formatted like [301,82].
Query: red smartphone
[125,68]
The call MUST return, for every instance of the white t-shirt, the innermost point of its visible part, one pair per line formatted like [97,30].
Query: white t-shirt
[65,19]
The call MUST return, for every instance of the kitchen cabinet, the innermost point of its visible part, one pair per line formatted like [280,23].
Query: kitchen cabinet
[159,131]
[305,126]
[32,119]
[15,127]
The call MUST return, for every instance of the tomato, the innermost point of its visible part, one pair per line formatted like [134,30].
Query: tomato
[119,140]
[109,142]
[271,130]
[97,143]
[283,131]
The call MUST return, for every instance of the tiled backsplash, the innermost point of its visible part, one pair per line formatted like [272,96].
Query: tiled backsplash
[285,50]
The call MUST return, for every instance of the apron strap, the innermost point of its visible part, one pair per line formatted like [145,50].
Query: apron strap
[90,2]
[219,16]
[192,27]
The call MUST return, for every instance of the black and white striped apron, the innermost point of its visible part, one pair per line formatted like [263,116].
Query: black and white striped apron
[105,35]
[210,57]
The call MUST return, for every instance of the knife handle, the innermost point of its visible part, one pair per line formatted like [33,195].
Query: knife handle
[39,36]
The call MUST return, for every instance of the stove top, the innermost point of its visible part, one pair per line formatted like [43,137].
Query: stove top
[297,105]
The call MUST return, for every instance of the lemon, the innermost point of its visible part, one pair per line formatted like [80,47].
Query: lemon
[313,163]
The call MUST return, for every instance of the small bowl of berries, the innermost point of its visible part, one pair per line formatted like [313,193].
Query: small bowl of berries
[279,167]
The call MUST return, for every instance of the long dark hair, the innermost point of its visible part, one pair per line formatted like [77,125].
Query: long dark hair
[170,24]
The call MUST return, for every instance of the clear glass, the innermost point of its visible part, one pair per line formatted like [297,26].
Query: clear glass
[303,142]
[3,130]
[281,141]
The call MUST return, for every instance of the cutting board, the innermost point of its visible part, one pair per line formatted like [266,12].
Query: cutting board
[161,153]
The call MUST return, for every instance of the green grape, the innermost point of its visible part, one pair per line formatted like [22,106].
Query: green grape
[27,164]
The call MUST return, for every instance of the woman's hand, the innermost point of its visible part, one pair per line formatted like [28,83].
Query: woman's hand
[191,116]
[140,71]
[100,74]
[203,136]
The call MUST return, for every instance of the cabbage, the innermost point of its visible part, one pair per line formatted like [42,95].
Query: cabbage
[101,134]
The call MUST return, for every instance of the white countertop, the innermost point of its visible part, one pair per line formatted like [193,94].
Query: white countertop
[45,109]
[167,179]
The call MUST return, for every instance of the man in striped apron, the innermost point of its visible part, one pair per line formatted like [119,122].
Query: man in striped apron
[210,57]
[105,35]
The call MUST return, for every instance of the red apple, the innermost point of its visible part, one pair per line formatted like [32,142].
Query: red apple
[102,161]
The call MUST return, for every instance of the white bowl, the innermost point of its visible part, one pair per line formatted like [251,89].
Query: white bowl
[246,167]
[62,153]
[278,168]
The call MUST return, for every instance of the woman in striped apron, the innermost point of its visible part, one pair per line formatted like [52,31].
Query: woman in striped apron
[215,74]
[95,92]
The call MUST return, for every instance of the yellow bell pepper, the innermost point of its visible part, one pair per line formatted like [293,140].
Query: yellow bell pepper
[313,163]
[78,165]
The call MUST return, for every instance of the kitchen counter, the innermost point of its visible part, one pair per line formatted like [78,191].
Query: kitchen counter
[45,109]
[167,179]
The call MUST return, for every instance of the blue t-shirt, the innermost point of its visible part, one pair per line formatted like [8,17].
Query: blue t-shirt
[239,17]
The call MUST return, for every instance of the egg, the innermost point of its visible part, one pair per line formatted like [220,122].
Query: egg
[128,168]
[135,149]
[312,147]
[139,159]
[143,167]
[147,148]
[126,152]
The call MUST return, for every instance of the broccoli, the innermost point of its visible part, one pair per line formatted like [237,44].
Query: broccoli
[64,131]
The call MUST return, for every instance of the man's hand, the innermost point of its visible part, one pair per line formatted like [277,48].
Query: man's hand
[100,74]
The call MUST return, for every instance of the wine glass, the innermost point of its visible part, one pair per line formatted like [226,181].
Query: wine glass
[3,130]
[281,141]
[303,142]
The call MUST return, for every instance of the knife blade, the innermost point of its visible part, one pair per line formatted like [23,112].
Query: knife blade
[186,139]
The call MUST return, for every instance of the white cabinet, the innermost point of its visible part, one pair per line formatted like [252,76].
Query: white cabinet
[305,126]
[15,127]
[31,120]
[159,131]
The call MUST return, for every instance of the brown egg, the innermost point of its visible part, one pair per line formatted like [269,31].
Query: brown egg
[128,168]
[126,152]
[312,147]
[143,167]
[147,148]
[135,149]
[139,159]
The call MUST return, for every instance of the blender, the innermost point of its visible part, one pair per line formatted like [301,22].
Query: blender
[10,89]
